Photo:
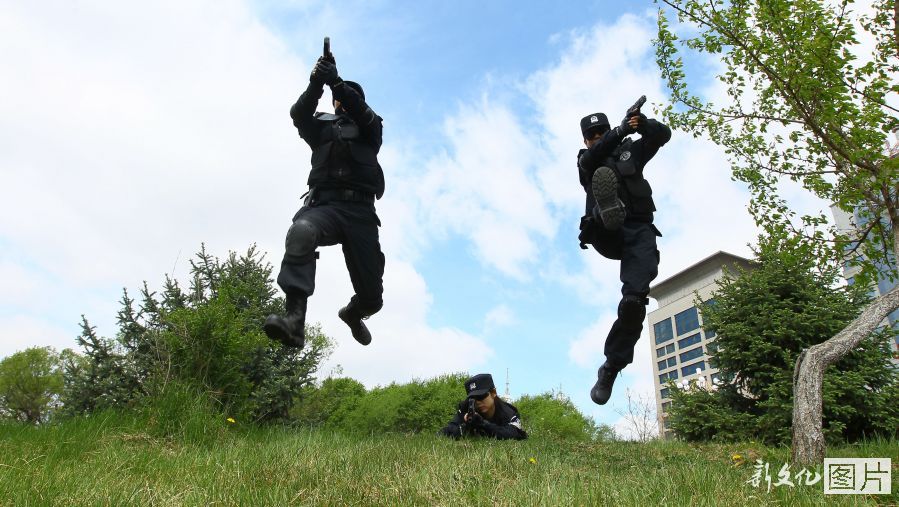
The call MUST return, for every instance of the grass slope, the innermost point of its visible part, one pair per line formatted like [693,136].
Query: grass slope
[113,459]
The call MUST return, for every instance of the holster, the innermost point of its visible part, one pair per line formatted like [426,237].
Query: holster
[588,233]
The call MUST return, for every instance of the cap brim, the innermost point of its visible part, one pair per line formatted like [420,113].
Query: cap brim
[478,392]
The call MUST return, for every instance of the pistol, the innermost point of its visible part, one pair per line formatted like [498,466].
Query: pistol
[635,109]
[326,50]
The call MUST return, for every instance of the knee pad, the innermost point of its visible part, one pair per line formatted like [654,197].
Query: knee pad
[302,238]
[632,309]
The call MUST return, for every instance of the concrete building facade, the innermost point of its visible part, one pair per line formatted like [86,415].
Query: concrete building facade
[679,344]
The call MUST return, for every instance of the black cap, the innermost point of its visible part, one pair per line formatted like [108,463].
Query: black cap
[479,385]
[592,121]
[356,86]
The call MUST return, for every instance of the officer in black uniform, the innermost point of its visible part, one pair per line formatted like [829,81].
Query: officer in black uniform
[618,224]
[484,413]
[339,208]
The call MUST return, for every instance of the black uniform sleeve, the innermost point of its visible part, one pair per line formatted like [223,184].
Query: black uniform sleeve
[363,116]
[504,431]
[508,427]
[653,135]
[303,114]
[590,159]
[454,427]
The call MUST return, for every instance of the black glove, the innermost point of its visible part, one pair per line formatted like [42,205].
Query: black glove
[625,127]
[326,71]
[315,77]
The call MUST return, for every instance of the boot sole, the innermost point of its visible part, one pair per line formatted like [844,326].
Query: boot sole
[605,192]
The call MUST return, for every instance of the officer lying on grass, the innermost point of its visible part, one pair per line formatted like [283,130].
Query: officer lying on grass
[484,413]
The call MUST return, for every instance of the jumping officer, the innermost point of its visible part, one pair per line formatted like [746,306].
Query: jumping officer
[484,413]
[618,224]
[339,208]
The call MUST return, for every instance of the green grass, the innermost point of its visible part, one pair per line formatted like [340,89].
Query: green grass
[120,460]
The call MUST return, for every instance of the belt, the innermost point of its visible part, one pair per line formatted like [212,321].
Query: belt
[341,194]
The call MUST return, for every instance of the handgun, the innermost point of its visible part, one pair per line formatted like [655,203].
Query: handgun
[635,109]
[326,50]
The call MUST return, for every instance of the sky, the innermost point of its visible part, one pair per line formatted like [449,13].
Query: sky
[133,132]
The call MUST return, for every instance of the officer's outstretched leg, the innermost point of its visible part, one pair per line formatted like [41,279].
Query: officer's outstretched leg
[297,280]
[619,348]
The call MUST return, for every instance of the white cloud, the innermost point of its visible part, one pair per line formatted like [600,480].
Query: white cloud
[586,350]
[499,316]
[483,189]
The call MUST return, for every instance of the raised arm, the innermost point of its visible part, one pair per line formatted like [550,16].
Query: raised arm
[303,111]
[653,135]
[362,115]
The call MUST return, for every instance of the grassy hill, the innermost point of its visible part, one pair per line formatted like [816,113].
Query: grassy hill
[115,459]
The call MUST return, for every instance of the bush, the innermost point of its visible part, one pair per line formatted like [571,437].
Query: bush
[556,417]
[419,406]
[209,337]
[328,405]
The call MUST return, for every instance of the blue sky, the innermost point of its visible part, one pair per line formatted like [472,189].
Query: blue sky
[129,134]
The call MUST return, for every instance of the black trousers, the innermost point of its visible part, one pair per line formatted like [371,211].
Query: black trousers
[354,225]
[634,244]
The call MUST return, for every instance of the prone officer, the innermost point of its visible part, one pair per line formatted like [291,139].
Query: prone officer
[484,413]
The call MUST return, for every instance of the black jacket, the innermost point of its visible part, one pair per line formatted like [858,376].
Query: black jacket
[505,423]
[627,158]
[344,145]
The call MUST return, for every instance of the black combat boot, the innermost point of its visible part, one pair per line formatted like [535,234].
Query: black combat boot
[602,389]
[290,329]
[605,191]
[353,318]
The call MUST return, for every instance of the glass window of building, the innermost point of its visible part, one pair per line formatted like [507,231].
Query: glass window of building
[686,321]
[669,348]
[660,351]
[665,376]
[672,361]
[691,354]
[665,393]
[663,331]
[663,364]
[665,406]
[690,369]
[688,341]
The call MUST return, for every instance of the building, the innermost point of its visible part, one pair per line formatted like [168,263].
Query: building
[679,343]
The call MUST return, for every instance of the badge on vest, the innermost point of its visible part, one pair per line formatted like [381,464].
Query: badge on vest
[625,155]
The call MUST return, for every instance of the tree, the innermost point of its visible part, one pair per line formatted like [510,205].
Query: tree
[763,319]
[803,103]
[30,384]
[640,416]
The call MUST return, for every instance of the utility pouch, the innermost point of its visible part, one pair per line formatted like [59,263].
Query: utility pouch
[588,231]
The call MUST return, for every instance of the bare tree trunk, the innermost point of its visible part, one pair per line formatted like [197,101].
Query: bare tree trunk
[808,377]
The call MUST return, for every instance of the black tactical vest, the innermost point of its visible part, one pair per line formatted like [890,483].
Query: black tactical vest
[342,159]
[634,190]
